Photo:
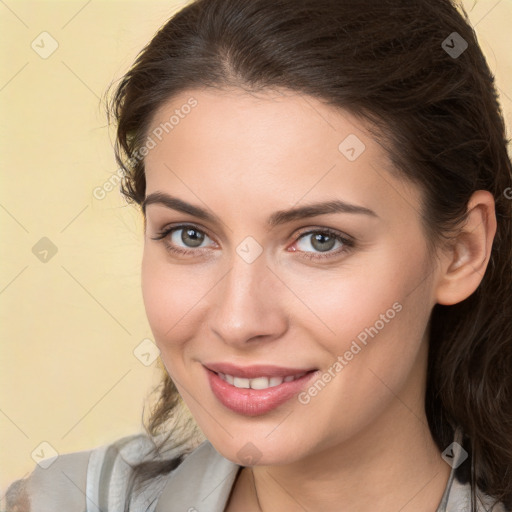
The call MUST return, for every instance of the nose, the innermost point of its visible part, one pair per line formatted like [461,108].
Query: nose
[247,306]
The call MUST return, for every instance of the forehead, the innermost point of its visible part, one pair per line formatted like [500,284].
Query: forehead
[270,123]
[275,144]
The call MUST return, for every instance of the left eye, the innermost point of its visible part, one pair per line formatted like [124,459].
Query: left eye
[323,241]
[320,241]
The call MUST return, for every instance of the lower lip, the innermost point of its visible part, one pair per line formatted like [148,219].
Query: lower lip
[253,402]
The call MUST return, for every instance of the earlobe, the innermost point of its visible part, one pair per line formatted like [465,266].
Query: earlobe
[464,264]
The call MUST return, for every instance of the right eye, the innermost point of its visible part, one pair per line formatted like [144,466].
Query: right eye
[188,235]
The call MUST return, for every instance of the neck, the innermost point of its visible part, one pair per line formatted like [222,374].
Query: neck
[406,473]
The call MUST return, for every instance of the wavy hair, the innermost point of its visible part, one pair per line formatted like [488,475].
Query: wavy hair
[438,116]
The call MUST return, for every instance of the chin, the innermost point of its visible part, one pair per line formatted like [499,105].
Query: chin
[245,451]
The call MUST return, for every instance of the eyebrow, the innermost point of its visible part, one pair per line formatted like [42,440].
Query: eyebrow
[277,218]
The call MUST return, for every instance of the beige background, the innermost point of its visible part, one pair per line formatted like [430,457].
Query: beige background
[70,324]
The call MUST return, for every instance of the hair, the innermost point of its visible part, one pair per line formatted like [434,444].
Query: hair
[437,114]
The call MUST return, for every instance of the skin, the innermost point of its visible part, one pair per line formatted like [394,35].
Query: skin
[362,443]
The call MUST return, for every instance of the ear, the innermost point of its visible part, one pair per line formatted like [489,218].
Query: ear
[464,262]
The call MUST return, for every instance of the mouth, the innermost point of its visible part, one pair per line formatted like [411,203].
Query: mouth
[256,371]
[258,382]
[257,389]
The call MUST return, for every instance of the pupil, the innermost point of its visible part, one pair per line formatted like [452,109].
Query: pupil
[193,236]
[323,239]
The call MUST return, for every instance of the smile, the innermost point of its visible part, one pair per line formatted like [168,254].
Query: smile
[258,382]
[255,390]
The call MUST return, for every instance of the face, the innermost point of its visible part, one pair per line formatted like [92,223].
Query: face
[240,278]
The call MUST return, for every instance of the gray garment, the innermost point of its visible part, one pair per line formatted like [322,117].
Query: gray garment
[97,481]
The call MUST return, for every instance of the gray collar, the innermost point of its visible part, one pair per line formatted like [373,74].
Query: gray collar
[448,497]
[203,481]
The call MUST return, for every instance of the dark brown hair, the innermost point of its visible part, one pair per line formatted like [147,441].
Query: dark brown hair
[437,114]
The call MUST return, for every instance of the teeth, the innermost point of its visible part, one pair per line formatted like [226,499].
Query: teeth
[258,382]
[242,383]
[275,381]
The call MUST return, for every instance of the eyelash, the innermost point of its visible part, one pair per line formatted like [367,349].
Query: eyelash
[348,244]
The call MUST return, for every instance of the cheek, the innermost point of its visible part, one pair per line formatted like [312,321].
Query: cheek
[374,312]
[371,358]
[171,295]
[339,304]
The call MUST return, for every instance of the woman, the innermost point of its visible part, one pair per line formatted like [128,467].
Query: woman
[325,188]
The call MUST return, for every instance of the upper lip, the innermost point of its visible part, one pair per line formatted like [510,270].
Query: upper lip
[253,371]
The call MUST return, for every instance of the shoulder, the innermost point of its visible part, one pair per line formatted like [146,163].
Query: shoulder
[460,500]
[458,493]
[62,482]
[84,480]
